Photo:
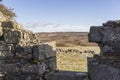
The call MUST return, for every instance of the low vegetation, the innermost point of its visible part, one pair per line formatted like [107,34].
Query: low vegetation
[66,39]
[77,60]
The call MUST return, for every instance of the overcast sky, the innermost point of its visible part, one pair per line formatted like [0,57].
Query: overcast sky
[81,13]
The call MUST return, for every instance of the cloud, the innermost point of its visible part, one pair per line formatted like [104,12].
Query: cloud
[43,27]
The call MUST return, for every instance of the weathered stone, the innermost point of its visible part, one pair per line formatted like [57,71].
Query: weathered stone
[33,77]
[28,36]
[23,56]
[96,34]
[9,68]
[102,71]
[1,76]
[6,55]
[112,23]
[111,49]
[19,26]
[42,68]
[33,69]
[18,49]
[2,17]
[9,24]
[1,32]
[40,52]
[107,37]
[3,47]
[15,77]
[106,67]
[52,63]
[66,75]
[12,36]
[23,52]
[104,34]
[52,43]
[28,49]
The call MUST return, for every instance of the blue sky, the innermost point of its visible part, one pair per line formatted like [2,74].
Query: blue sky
[83,13]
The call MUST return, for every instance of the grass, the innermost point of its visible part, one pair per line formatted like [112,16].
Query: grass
[74,61]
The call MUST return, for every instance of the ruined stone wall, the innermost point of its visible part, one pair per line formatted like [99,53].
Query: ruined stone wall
[22,56]
[105,66]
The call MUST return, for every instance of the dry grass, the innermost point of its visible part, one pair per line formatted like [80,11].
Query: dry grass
[74,61]
[66,39]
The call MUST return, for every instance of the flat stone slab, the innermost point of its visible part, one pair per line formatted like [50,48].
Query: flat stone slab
[66,75]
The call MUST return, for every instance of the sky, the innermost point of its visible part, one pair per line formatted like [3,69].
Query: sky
[63,15]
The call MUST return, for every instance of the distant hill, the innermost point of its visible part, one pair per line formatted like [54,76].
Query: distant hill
[66,39]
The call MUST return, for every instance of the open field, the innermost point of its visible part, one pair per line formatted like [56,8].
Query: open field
[66,39]
[75,61]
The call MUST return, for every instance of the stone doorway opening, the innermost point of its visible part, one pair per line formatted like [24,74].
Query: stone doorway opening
[74,58]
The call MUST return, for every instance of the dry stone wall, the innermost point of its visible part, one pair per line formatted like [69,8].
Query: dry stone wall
[107,65]
[22,56]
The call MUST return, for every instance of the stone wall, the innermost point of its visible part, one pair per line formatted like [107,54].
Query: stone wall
[22,56]
[105,66]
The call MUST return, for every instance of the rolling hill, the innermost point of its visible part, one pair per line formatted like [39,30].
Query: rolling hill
[66,39]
